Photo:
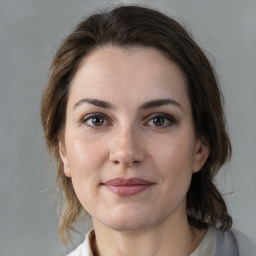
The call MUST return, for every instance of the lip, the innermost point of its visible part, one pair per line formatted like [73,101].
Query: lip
[127,187]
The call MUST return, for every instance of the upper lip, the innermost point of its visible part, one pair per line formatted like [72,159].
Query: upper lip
[127,182]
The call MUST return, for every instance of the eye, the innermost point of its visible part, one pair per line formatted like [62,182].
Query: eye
[95,120]
[161,120]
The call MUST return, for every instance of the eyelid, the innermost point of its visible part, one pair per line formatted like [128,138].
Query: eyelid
[87,117]
[147,119]
[169,117]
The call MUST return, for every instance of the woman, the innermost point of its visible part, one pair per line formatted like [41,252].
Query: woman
[133,114]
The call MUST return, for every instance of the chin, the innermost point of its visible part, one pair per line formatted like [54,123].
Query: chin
[127,220]
[126,226]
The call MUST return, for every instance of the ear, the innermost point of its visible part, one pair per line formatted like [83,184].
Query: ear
[201,154]
[64,158]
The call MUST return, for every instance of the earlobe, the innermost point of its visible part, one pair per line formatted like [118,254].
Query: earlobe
[63,156]
[201,154]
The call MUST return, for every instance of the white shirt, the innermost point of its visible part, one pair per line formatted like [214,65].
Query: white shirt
[206,247]
[208,244]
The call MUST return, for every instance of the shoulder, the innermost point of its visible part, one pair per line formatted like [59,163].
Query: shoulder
[234,243]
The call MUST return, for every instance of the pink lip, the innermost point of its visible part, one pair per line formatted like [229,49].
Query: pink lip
[127,187]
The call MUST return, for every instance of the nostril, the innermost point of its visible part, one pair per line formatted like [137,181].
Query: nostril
[126,153]
[127,164]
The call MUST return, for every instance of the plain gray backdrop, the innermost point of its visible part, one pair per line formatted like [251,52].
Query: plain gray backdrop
[31,30]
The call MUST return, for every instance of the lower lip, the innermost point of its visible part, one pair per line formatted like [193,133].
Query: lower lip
[126,191]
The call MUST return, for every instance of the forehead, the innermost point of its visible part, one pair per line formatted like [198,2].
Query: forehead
[137,73]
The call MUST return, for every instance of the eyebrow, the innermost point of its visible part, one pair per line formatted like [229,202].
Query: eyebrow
[146,105]
[98,103]
[158,103]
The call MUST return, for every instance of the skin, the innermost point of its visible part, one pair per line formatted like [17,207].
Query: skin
[129,141]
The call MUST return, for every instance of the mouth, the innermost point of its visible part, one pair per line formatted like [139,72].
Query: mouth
[127,187]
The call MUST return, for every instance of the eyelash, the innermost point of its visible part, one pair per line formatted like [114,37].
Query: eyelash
[95,115]
[166,118]
[170,120]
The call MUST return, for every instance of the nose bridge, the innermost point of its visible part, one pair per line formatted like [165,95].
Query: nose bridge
[126,148]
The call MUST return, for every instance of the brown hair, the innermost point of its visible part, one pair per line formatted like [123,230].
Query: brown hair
[127,26]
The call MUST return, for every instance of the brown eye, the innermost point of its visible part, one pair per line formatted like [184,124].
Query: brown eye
[158,121]
[95,120]
[161,120]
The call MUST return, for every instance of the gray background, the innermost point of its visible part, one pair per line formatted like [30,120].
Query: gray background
[30,31]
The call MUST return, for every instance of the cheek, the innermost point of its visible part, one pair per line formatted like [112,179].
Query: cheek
[175,164]
[174,153]
[85,155]
[86,159]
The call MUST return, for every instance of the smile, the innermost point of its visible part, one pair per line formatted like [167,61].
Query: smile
[127,187]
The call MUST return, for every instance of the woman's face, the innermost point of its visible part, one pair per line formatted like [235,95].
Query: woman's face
[129,144]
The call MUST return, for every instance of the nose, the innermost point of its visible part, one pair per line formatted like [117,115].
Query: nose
[126,148]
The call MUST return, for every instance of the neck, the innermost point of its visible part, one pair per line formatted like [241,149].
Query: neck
[169,238]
